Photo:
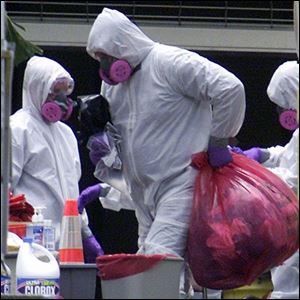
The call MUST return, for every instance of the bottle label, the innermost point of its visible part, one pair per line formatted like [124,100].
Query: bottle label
[49,238]
[33,286]
[36,233]
[5,285]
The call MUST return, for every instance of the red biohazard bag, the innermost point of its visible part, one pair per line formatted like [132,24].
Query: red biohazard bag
[245,220]
[19,209]
[116,266]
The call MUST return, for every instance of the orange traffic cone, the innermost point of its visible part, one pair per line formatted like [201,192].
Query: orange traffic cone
[70,245]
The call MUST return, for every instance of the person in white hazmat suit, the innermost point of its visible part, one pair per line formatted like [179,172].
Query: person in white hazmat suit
[166,103]
[45,160]
[283,161]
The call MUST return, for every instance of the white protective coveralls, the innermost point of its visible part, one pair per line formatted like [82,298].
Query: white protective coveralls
[283,161]
[163,115]
[45,159]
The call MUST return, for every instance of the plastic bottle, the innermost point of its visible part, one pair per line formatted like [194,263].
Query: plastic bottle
[33,276]
[49,235]
[5,278]
[36,229]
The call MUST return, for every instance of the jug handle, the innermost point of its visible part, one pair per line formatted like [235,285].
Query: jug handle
[44,250]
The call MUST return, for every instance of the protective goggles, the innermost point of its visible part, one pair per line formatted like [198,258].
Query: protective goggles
[62,86]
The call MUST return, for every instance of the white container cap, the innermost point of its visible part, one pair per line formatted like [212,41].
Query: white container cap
[48,222]
[38,216]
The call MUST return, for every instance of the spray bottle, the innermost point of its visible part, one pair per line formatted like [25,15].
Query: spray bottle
[49,235]
[36,229]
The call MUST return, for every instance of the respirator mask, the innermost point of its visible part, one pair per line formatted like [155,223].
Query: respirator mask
[113,71]
[58,106]
[288,118]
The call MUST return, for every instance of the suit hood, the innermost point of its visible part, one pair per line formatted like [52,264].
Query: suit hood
[114,34]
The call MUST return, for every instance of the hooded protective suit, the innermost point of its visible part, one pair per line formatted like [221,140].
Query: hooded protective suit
[45,159]
[163,115]
[283,161]
[282,90]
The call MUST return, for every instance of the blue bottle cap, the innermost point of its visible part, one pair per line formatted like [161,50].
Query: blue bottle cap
[27,239]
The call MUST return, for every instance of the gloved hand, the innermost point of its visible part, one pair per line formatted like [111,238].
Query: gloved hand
[99,147]
[90,194]
[91,249]
[237,150]
[253,153]
[258,154]
[218,152]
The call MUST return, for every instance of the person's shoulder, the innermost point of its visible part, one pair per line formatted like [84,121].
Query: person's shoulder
[288,68]
[289,64]
[20,120]
[172,56]
[23,126]
[167,51]
[65,130]
[64,127]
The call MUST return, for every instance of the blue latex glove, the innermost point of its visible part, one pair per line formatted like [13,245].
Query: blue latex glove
[88,195]
[99,147]
[91,249]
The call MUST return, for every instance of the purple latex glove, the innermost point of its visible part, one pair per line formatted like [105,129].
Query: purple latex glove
[254,153]
[91,249]
[89,194]
[218,156]
[258,154]
[237,150]
[99,147]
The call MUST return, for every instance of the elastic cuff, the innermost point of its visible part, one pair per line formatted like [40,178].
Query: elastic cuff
[86,232]
[104,191]
[264,155]
[218,142]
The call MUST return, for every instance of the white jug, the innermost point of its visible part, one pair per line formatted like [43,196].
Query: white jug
[34,276]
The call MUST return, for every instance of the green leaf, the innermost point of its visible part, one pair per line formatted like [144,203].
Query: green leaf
[23,49]
[16,24]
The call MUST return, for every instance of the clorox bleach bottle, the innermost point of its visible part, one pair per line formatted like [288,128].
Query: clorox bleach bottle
[34,276]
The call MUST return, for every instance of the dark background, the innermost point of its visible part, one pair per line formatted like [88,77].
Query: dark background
[117,231]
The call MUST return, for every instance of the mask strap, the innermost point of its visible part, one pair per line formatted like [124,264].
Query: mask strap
[69,111]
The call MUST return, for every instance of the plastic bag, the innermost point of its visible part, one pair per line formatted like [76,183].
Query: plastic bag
[245,221]
[108,168]
[106,144]
[99,144]
[19,209]
[116,266]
